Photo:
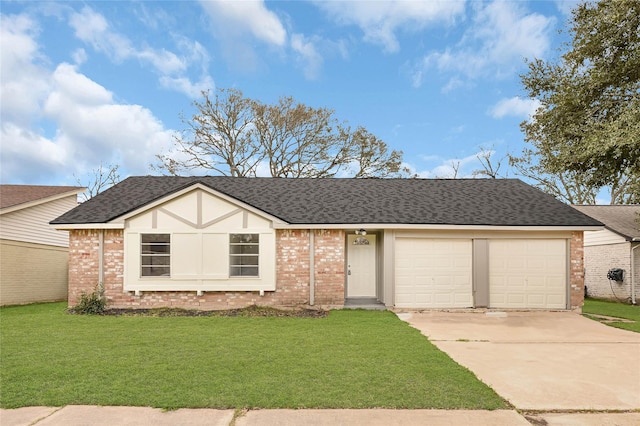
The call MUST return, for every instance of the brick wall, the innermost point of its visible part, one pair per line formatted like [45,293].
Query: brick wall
[83,263]
[598,261]
[32,272]
[292,274]
[329,266]
[576,270]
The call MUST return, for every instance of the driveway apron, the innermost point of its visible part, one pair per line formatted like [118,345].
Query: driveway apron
[541,360]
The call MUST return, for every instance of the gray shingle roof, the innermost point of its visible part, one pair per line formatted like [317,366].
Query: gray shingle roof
[620,219]
[491,202]
[14,195]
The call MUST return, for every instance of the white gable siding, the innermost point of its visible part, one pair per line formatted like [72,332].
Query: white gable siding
[596,238]
[199,224]
[32,223]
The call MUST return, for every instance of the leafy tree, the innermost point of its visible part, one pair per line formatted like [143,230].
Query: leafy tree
[586,134]
[234,135]
[101,178]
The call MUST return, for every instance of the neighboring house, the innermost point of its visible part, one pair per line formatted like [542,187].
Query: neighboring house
[33,256]
[222,242]
[616,246]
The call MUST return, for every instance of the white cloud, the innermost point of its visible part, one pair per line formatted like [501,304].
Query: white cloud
[93,29]
[239,18]
[516,107]
[501,35]
[310,59]
[91,126]
[184,85]
[23,83]
[566,6]
[446,169]
[79,56]
[453,84]
[380,20]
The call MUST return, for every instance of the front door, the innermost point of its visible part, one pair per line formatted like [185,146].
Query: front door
[361,267]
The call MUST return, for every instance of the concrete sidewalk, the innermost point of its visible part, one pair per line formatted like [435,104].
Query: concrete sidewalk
[87,415]
[81,415]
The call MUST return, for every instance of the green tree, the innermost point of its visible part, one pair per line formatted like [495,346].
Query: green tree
[585,137]
[233,135]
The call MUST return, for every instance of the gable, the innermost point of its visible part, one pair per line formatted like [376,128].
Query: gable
[622,220]
[18,197]
[31,224]
[195,209]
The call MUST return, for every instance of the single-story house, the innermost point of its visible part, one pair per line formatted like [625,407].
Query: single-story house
[617,246]
[223,242]
[33,256]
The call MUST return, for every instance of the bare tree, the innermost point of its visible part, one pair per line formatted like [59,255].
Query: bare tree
[299,141]
[372,157]
[489,168]
[234,136]
[218,137]
[101,178]
[569,186]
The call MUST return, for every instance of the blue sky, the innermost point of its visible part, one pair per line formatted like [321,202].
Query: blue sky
[86,82]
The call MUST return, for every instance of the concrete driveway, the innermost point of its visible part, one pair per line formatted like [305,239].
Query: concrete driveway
[541,360]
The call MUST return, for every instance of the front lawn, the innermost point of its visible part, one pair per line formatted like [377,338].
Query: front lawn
[350,359]
[614,309]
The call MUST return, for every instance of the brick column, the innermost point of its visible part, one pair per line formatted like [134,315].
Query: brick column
[329,266]
[576,271]
[83,263]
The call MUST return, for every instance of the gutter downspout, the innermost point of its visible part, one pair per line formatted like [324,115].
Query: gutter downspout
[101,259]
[633,274]
[312,269]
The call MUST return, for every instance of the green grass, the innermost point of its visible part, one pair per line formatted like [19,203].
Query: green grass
[614,309]
[350,359]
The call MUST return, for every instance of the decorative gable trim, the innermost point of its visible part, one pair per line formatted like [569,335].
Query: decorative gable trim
[196,186]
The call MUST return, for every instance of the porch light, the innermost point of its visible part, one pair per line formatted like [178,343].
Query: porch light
[361,240]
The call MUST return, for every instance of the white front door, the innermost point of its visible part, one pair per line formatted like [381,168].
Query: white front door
[361,267]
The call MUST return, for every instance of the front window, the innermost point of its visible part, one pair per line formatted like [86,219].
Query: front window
[155,255]
[244,252]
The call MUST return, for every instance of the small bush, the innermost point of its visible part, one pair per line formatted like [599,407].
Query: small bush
[91,304]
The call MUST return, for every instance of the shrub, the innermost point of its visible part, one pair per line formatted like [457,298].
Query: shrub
[91,304]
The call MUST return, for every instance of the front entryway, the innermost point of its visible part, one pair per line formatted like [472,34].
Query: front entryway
[361,267]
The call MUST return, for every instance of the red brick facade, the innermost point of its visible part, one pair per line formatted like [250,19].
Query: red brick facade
[576,271]
[292,272]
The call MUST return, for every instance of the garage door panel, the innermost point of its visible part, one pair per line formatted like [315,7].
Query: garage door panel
[433,273]
[527,273]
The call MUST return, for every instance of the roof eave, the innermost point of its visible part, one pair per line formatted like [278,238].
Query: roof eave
[72,226]
[44,200]
[355,226]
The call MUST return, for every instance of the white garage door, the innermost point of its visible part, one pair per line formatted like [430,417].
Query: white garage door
[433,273]
[527,274]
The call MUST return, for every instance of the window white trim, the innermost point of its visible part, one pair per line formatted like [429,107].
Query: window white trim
[200,261]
